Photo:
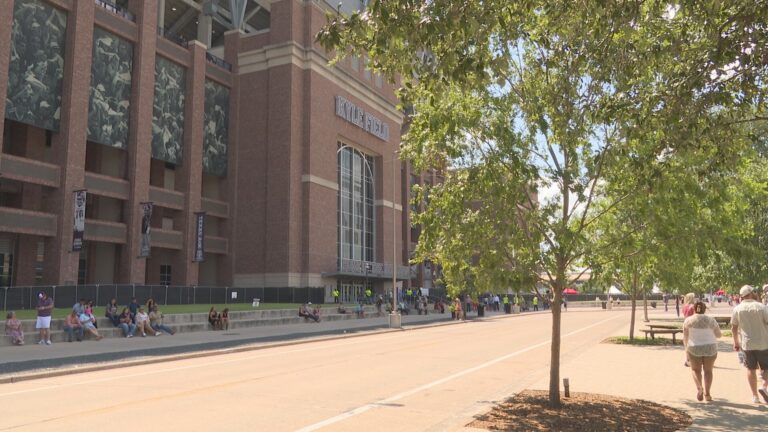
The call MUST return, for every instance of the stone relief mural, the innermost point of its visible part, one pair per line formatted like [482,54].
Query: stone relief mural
[168,111]
[36,64]
[216,129]
[109,107]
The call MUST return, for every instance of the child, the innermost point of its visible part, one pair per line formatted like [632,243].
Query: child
[13,328]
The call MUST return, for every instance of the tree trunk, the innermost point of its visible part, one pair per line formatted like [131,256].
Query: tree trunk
[633,293]
[645,307]
[554,365]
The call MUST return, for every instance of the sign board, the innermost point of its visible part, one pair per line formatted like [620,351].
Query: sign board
[78,229]
[362,119]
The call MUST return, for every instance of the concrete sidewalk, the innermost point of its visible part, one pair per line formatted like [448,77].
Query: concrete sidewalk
[657,373]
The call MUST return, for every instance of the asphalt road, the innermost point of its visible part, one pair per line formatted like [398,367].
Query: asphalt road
[426,379]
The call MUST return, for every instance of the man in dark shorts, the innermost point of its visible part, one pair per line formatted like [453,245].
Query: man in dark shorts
[750,333]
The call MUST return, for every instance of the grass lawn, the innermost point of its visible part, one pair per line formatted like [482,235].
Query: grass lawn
[624,340]
[177,309]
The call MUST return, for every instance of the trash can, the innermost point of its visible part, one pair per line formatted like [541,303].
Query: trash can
[604,305]
[480,310]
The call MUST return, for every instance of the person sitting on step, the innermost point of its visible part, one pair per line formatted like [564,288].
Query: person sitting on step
[72,326]
[214,318]
[143,323]
[224,319]
[306,312]
[156,321]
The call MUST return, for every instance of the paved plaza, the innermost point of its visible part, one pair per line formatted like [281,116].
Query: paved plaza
[434,376]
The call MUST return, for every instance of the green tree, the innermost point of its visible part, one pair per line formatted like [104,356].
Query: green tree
[667,225]
[559,96]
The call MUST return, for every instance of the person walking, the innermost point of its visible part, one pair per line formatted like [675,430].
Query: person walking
[535,302]
[700,333]
[677,305]
[749,323]
[688,302]
[457,307]
[379,303]
[44,311]
[505,300]
[336,295]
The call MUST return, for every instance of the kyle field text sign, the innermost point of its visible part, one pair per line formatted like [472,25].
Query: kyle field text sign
[365,120]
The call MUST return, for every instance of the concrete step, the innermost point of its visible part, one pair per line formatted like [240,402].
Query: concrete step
[185,323]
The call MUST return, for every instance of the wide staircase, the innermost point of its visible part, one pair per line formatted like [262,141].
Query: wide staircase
[192,322]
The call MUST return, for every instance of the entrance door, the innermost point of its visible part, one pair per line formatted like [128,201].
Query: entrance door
[351,292]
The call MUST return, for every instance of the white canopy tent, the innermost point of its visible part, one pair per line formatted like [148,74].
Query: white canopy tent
[614,290]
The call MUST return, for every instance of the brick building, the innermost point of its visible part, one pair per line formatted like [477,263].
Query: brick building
[264,166]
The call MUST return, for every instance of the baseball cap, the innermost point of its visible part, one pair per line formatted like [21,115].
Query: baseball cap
[746,290]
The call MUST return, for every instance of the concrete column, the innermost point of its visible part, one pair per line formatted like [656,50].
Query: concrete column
[132,268]
[161,16]
[6,23]
[185,272]
[69,143]
[204,29]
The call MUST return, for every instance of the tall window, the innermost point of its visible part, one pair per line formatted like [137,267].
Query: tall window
[165,274]
[355,210]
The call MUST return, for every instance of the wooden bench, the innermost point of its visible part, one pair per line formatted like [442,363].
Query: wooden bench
[663,327]
[654,332]
[723,320]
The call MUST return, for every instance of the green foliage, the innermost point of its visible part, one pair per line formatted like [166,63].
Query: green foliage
[620,110]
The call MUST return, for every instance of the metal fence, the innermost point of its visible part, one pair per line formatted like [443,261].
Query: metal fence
[115,9]
[64,296]
[218,61]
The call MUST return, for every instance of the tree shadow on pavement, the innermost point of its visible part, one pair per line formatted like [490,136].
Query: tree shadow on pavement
[720,415]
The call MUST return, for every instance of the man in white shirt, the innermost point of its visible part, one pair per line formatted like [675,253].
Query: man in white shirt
[750,333]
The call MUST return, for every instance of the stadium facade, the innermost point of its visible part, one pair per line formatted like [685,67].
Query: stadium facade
[197,143]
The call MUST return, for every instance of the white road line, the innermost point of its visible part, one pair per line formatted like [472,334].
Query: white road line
[364,408]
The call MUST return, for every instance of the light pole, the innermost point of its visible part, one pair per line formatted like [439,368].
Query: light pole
[394,317]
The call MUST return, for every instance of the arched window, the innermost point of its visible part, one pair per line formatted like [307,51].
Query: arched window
[355,209]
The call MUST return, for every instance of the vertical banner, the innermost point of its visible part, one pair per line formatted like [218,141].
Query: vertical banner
[78,228]
[146,219]
[199,237]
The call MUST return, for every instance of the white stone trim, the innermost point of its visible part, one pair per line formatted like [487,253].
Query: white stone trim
[309,178]
[309,58]
[387,203]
